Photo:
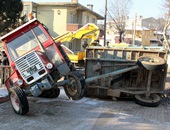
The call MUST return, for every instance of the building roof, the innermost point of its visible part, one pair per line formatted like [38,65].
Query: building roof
[161,32]
[71,4]
[137,28]
[158,32]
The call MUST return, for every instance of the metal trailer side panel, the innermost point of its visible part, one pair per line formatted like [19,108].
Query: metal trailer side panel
[100,61]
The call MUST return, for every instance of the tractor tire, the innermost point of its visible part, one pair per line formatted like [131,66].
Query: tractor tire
[152,101]
[52,93]
[18,100]
[151,62]
[75,90]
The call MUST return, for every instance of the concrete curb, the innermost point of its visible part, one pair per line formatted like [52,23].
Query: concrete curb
[3,95]
[4,99]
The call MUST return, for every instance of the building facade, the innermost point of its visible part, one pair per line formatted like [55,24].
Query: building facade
[62,17]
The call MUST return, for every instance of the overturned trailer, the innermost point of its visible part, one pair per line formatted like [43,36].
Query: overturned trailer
[123,72]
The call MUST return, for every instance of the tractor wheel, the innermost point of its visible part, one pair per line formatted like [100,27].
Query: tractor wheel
[52,93]
[152,101]
[18,100]
[76,88]
[151,62]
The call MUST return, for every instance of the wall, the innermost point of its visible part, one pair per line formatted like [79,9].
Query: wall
[54,18]
[146,36]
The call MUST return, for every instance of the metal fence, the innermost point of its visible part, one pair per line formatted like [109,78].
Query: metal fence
[5,72]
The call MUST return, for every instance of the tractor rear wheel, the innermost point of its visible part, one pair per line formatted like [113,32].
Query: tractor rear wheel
[76,88]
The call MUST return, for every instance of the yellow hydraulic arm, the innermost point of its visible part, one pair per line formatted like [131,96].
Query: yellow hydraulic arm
[88,31]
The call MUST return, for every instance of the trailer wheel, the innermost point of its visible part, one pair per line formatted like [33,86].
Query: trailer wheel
[52,93]
[152,101]
[151,62]
[18,100]
[76,88]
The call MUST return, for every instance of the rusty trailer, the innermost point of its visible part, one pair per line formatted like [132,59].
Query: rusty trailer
[123,72]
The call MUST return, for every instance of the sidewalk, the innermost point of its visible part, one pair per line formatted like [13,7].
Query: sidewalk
[3,95]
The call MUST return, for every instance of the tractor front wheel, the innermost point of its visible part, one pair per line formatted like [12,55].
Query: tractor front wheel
[18,101]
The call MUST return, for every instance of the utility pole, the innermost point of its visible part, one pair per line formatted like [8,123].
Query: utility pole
[134,31]
[105,22]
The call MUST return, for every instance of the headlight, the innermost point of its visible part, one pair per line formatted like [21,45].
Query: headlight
[49,66]
[19,82]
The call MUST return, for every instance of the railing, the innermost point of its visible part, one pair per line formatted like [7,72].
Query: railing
[73,26]
[5,72]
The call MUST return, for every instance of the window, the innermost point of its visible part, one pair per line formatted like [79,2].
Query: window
[150,33]
[86,19]
[26,42]
[34,11]
[143,32]
[72,17]
[93,20]
[26,10]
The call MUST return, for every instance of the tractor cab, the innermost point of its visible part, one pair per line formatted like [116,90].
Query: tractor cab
[38,63]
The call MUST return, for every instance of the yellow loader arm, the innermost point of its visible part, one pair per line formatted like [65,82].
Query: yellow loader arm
[88,31]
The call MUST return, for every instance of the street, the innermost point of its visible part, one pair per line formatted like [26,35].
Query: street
[88,114]
[119,53]
[85,114]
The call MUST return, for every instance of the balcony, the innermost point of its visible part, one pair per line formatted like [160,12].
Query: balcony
[73,27]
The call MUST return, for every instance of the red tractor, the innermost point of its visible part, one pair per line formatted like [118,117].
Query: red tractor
[39,66]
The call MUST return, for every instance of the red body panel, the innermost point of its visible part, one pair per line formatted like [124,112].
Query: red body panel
[16,33]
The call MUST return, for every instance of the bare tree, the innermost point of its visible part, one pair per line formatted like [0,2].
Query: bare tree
[166,5]
[117,13]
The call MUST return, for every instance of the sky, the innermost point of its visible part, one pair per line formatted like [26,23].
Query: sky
[145,8]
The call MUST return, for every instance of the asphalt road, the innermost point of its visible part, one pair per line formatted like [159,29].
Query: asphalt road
[85,114]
